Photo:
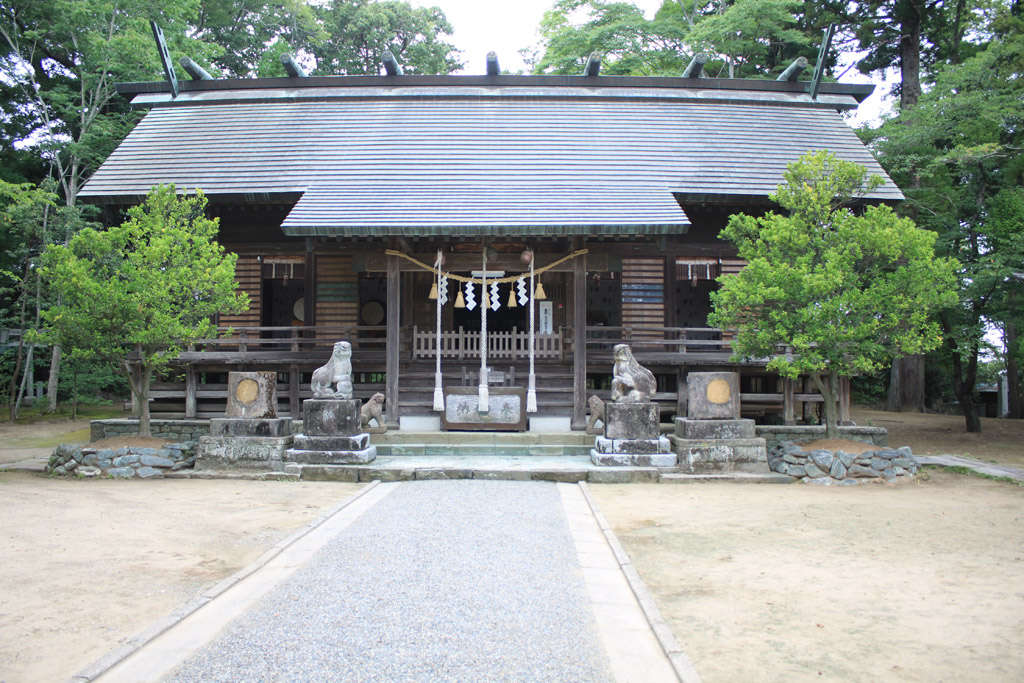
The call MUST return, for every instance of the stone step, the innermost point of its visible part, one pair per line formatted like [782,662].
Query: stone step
[746,477]
[498,450]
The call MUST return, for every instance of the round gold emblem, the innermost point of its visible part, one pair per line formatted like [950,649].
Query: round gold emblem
[247,390]
[718,391]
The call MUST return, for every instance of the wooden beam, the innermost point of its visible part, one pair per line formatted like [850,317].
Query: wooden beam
[292,67]
[492,64]
[197,72]
[393,340]
[391,65]
[793,71]
[293,391]
[695,66]
[579,346]
[593,66]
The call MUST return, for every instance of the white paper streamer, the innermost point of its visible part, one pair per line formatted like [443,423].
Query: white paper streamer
[442,290]
[495,297]
[521,291]
[470,297]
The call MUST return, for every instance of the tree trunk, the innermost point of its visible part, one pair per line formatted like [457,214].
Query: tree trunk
[906,385]
[828,387]
[51,385]
[145,376]
[1014,402]
[910,55]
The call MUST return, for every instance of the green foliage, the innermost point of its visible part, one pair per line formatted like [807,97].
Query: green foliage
[840,291]
[151,284]
[745,38]
[957,156]
[356,33]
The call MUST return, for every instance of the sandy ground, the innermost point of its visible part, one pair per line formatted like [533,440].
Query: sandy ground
[1000,441]
[922,581]
[88,563]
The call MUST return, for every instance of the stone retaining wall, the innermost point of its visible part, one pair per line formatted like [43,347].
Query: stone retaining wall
[826,467]
[175,430]
[774,434]
[127,462]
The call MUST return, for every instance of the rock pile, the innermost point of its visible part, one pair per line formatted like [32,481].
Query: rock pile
[127,462]
[827,468]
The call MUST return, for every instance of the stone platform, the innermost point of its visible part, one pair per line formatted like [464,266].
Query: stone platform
[331,434]
[719,445]
[251,453]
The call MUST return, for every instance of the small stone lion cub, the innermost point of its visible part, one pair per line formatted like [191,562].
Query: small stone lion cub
[336,373]
[372,410]
[631,382]
[596,411]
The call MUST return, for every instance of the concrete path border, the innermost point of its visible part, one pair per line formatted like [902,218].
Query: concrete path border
[681,664]
[980,466]
[288,554]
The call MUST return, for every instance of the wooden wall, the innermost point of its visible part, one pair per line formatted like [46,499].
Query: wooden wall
[337,291]
[249,275]
[643,291]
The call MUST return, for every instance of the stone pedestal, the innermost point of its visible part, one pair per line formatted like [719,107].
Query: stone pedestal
[251,436]
[707,446]
[331,434]
[632,437]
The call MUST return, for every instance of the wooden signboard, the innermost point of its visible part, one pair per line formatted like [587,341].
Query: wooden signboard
[507,413]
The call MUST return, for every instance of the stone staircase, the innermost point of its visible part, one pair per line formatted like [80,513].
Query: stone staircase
[548,444]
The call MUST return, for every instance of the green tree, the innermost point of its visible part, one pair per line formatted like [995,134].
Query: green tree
[357,32]
[745,38]
[829,292]
[136,294]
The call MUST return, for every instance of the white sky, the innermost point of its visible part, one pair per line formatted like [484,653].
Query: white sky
[506,27]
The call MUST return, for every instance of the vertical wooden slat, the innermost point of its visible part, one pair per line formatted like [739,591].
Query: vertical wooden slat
[788,403]
[249,276]
[190,391]
[643,295]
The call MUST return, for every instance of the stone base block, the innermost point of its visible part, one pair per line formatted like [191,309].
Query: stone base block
[631,421]
[714,429]
[659,445]
[331,417]
[633,459]
[358,457]
[242,452]
[356,442]
[241,426]
[701,456]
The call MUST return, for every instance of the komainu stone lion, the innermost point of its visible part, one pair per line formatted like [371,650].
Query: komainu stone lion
[372,410]
[631,382]
[596,411]
[334,380]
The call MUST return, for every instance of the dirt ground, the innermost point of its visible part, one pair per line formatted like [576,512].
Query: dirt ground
[922,581]
[89,563]
[1000,441]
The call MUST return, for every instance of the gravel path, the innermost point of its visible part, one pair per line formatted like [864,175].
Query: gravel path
[462,580]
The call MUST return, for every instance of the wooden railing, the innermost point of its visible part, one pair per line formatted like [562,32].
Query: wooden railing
[460,344]
[290,339]
[660,339]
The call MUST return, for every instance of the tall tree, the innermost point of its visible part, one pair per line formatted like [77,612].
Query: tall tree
[150,285]
[357,32]
[963,140]
[838,290]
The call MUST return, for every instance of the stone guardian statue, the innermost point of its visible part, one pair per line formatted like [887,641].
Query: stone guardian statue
[334,380]
[631,382]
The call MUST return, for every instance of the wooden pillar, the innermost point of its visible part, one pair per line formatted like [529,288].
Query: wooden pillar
[682,391]
[788,402]
[190,391]
[293,391]
[844,401]
[394,338]
[309,284]
[579,346]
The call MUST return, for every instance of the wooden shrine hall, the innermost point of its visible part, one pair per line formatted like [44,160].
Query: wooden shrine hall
[339,194]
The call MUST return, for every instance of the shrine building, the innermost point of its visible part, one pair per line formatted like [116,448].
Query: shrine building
[338,194]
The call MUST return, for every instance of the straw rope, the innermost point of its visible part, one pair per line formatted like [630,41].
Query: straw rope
[480,281]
